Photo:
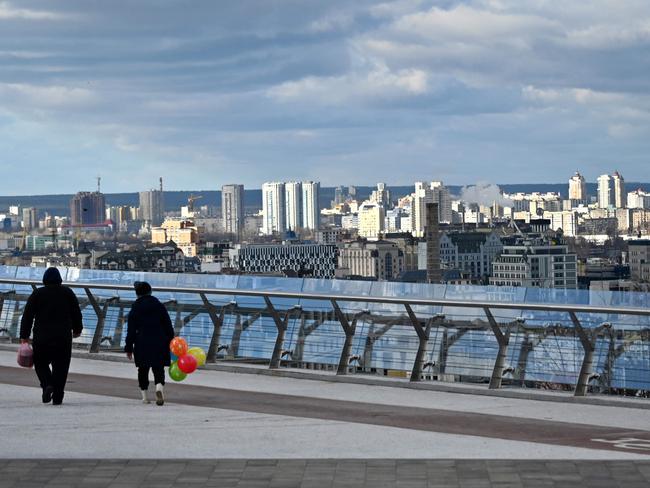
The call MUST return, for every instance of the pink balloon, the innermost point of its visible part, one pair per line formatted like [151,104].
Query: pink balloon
[187,363]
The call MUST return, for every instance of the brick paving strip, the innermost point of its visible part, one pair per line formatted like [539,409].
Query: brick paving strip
[325,473]
[421,419]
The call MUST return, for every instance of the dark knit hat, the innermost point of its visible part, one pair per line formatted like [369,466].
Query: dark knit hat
[142,288]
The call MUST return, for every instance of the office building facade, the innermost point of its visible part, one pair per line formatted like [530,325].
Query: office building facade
[290,258]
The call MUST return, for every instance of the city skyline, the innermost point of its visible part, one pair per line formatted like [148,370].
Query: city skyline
[331,92]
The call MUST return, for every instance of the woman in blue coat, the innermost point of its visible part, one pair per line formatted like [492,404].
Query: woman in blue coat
[149,332]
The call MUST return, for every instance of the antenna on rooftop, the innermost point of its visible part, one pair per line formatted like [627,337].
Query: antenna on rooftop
[161,185]
[99,184]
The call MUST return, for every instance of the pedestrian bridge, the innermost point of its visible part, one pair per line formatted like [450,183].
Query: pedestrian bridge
[573,340]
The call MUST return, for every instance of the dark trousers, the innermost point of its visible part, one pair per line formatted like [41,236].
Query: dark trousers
[57,355]
[143,376]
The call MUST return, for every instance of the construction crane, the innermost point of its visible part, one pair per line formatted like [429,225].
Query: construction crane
[190,202]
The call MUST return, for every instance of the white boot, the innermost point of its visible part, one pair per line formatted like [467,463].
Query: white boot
[160,396]
[144,396]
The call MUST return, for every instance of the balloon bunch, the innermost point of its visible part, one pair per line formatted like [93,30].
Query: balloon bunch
[189,358]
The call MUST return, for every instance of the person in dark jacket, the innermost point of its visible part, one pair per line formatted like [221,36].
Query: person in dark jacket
[54,312]
[149,332]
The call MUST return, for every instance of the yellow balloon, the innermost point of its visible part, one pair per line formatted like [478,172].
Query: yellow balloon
[199,354]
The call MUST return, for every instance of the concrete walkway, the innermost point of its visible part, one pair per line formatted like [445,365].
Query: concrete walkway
[248,430]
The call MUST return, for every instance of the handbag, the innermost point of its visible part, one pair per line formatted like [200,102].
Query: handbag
[25,356]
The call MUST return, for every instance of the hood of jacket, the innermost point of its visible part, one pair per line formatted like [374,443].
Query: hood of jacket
[52,277]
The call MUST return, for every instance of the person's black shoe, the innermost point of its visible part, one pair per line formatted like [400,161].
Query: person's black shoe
[57,402]
[47,394]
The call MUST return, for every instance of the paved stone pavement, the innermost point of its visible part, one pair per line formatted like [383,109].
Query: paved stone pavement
[376,473]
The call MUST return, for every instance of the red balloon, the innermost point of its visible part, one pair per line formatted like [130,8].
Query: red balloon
[187,364]
[178,346]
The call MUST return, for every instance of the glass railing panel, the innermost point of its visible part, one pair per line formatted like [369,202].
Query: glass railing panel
[469,353]
[554,359]
[195,327]
[390,346]
[630,364]
[322,345]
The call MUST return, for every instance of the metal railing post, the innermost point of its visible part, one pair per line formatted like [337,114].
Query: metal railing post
[3,295]
[100,312]
[502,340]
[304,332]
[217,323]
[281,325]
[423,338]
[349,328]
[588,341]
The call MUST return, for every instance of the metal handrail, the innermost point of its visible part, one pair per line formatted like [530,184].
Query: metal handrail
[575,308]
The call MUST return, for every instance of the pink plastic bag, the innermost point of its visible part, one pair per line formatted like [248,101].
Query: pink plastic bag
[25,356]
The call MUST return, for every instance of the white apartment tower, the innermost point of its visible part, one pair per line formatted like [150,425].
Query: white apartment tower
[232,209]
[577,187]
[293,204]
[638,199]
[310,206]
[273,208]
[619,195]
[604,191]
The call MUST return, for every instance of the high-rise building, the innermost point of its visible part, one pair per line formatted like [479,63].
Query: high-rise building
[442,197]
[577,187]
[604,191]
[29,218]
[421,197]
[310,205]
[619,190]
[371,220]
[232,209]
[432,192]
[293,204]
[638,199]
[87,208]
[273,208]
[152,206]
[120,215]
[338,196]
[381,195]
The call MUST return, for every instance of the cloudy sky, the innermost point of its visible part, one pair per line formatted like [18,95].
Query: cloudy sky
[346,92]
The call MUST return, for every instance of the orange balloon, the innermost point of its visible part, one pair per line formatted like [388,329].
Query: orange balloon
[178,346]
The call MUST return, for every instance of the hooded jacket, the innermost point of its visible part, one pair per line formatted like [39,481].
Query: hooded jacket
[149,331]
[53,310]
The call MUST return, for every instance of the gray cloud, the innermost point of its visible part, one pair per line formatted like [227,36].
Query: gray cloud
[203,92]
